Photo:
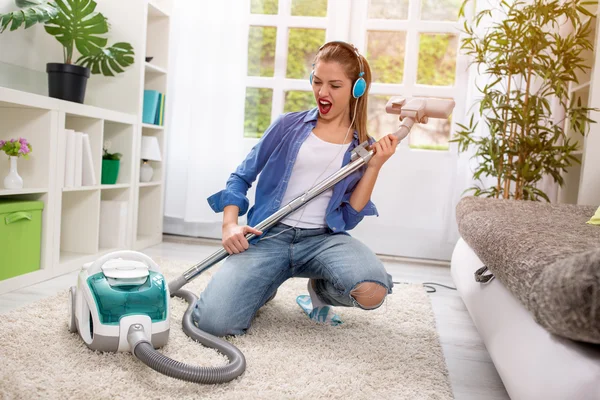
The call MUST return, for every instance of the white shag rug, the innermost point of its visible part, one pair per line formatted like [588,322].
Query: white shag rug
[389,353]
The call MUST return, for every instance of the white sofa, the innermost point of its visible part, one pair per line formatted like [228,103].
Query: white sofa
[533,363]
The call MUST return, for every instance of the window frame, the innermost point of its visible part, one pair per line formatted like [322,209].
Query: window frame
[283,21]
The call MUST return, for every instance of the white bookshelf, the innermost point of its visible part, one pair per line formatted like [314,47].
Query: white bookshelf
[581,179]
[148,222]
[112,111]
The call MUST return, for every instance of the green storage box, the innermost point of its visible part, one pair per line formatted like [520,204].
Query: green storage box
[20,237]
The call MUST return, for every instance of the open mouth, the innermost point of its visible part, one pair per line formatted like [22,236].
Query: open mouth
[324,106]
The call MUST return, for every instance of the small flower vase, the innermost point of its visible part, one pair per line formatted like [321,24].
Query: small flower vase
[13,180]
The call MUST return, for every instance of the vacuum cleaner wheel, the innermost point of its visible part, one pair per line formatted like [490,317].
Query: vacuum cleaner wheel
[72,323]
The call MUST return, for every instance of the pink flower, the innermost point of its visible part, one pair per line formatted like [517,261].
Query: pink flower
[16,147]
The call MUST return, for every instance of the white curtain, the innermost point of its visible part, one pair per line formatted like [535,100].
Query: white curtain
[206,100]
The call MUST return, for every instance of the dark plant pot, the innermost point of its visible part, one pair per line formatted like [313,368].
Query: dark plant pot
[110,171]
[67,81]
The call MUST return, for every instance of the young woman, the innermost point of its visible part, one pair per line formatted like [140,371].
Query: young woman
[297,151]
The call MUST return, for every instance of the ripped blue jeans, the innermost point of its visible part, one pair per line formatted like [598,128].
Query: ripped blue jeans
[245,281]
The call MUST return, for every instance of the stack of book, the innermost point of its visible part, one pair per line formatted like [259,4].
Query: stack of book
[79,165]
[154,107]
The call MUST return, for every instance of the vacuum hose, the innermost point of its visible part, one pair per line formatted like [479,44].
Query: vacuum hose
[146,353]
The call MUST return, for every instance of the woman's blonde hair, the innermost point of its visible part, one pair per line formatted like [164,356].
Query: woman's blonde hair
[347,55]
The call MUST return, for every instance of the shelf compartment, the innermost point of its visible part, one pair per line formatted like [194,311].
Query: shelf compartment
[115,229]
[157,37]
[156,82]
[37,126]
[120,137]
[79,224]
[118,194]
[94,128]
[149,218]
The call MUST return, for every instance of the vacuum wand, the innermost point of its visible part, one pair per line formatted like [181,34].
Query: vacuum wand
[270,221]
[414,110]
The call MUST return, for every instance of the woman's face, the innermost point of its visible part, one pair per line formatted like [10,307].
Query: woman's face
[332,89]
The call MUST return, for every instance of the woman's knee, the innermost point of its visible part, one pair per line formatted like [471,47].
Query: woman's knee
[369,295]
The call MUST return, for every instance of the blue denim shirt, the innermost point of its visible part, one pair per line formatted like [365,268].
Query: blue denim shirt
[274,157]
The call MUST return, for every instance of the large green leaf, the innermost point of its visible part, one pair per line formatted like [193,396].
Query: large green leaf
[78,25]
[31,13]
[113,58]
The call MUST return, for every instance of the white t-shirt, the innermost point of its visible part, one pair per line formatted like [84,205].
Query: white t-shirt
[317,160]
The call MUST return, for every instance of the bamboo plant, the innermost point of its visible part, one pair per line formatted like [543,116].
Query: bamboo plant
[529,63]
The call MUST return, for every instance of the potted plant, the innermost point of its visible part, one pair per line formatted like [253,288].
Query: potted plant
[14,149]
[110,165]
[529,62]
[78,27]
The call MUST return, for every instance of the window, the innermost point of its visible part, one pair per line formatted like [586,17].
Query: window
[386,54]
[412,47]
[283,38]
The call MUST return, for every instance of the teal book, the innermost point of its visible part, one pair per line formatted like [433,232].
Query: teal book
[156,116]
[151,104]
[160,110]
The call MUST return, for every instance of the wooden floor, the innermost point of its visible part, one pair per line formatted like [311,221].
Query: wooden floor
[472,372]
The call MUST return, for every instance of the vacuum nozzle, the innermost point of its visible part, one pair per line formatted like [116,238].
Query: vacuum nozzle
[417,109]
[420,108]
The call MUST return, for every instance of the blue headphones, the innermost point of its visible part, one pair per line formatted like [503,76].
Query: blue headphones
[360,86]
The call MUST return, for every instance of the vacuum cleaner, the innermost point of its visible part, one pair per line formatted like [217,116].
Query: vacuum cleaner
[121,301]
